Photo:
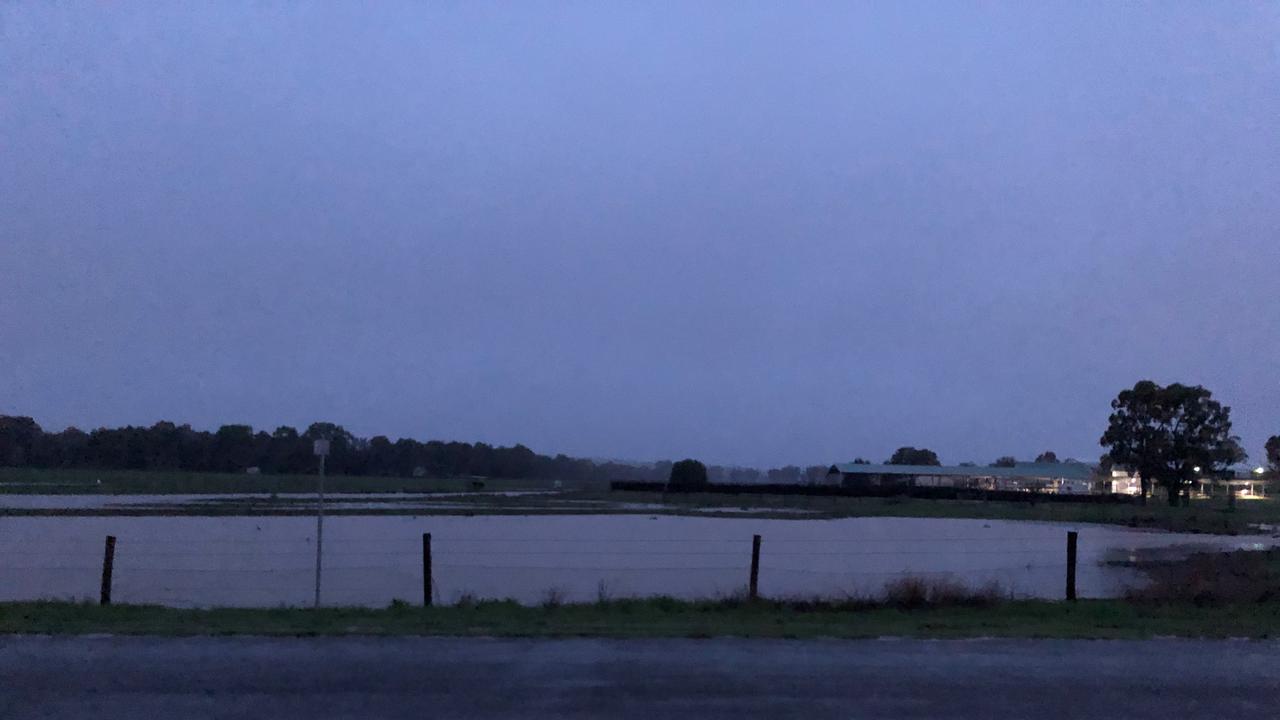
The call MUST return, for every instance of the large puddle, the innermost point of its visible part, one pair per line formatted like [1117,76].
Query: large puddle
[372,560]
[391,503]
[342,501]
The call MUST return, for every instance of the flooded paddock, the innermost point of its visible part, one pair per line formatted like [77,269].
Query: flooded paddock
[372,560]
[529,501]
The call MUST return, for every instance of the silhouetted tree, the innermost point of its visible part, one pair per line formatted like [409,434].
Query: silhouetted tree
[18,437]
[513,462]
[1005,461]
[1105,464]
[163,447]
[341,460]
[1273,453]
[72,444]
[1048,456]
[381,458]
[687,474]
[913,456]
[1164,433]
[233,448]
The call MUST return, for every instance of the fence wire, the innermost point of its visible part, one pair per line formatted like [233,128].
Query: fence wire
[269,570]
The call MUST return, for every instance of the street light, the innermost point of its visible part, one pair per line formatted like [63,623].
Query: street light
[1259,470]
[321,449]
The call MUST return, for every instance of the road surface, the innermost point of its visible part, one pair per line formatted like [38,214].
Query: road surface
[101,678]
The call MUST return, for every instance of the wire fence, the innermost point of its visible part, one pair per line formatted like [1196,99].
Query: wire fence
[533,568]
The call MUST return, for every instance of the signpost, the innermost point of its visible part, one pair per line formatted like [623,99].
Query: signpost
[321,449]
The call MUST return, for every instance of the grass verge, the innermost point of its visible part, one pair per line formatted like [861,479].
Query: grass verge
[664,617]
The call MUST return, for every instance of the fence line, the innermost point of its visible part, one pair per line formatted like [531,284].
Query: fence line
[136,563]
[1052,566]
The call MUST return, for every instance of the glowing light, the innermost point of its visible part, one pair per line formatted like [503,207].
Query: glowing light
[1196,468]
[1259,470]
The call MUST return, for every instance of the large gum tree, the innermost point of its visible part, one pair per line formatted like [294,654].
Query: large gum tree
[1169,434]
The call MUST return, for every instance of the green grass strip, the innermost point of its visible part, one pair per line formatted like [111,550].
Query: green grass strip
[665,617]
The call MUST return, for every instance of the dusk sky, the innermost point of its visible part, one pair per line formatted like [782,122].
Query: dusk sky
[749,233]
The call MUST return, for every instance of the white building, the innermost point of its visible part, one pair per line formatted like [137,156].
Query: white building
[1066,478]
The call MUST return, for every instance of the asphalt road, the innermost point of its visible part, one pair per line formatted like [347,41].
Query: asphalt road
[100,678]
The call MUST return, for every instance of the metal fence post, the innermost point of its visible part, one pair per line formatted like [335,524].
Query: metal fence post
[1071,564]
[108,563]
[753,590]
[426,569]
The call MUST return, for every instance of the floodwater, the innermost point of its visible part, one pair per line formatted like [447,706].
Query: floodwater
[344,501]
[371,560]
[265,503]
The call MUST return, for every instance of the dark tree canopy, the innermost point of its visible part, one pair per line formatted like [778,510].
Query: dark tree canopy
[1165,433]
[861,461]
[913,456]
[18,436]
[1105,464]
[688,473]
[1048,456]
[1273,453]
[167,446]
[1005,461]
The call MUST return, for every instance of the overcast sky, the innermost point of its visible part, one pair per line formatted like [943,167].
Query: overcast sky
[749,233]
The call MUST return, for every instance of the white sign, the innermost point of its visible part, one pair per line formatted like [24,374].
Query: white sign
[321,447]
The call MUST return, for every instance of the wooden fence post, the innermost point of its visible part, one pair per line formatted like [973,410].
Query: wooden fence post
[1071,565]
[426,569]
[753,591]
[108,562]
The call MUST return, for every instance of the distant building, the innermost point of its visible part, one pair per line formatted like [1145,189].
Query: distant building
[1065,478]
[1245,483]
[1122,482]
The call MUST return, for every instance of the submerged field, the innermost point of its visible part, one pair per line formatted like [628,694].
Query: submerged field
[371,560]
[31,481]
[256,495]
[531,558]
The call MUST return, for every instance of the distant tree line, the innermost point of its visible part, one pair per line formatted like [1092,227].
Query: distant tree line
[1167,436]
[286,450]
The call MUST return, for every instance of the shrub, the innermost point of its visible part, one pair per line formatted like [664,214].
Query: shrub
[913,592]
[552,598]
[1212,578]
